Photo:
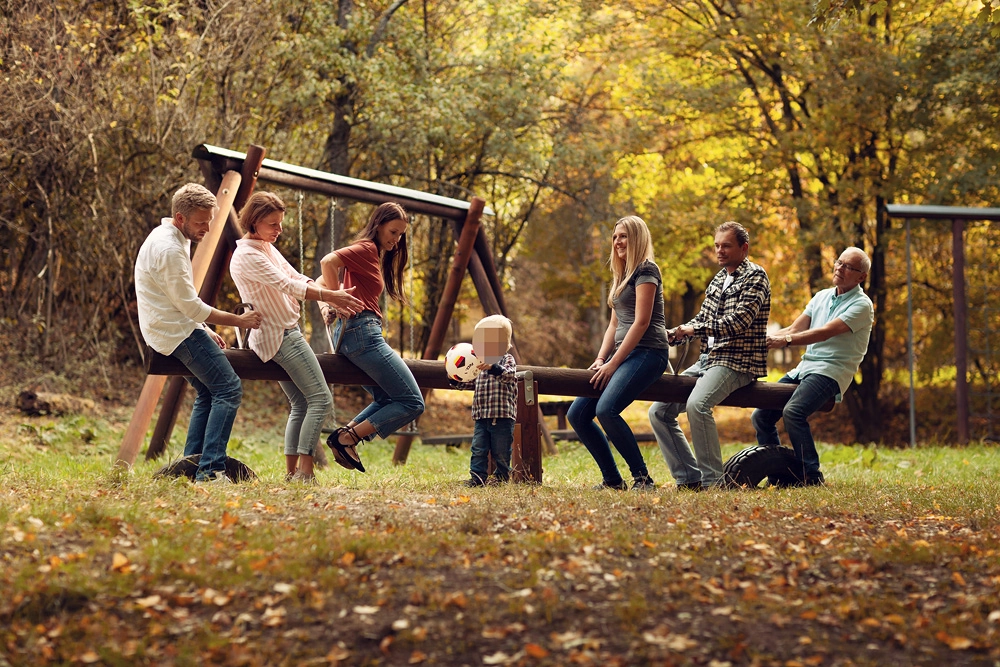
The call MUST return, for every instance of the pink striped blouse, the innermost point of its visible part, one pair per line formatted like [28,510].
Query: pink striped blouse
[265,279]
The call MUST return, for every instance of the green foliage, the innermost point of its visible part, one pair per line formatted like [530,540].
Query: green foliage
[796,120]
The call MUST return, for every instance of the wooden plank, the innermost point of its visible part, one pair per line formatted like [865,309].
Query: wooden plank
[225,159]
[431,374]
[141,416]
[529,450]
[570,434]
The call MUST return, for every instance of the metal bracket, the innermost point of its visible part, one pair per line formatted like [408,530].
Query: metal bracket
[529,386]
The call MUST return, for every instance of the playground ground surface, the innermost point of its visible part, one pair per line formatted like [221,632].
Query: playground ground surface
[896,561]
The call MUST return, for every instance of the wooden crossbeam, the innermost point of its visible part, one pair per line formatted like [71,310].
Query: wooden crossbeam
[431,375]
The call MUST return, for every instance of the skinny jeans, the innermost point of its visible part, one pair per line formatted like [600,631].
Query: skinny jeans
[308,394]
[639,370]
[396,398]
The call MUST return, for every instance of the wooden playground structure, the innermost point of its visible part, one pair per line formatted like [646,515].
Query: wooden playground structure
[232,176]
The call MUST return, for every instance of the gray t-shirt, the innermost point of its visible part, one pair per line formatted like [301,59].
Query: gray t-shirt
[656,333]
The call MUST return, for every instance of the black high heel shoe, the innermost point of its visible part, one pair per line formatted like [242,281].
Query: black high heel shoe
[341,452]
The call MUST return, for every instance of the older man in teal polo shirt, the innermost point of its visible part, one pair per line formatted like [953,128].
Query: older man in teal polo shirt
[835,328]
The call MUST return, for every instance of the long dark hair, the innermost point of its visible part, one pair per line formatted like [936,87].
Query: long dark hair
[393,261]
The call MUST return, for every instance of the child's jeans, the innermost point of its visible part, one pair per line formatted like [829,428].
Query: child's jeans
[491,436]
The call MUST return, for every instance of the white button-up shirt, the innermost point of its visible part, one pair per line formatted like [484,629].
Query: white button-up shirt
[266,280]
[169,307]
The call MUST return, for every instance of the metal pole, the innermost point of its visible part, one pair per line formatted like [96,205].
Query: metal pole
[909,335]
[961,329]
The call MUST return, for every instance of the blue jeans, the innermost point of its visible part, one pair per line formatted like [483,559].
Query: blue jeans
[218,396]
[642,367]
[396,397]
[308,394]
[491,436]
[811,393]
[705,463]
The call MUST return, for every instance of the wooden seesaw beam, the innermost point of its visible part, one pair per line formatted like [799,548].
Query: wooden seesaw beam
[526,459]
[431,375]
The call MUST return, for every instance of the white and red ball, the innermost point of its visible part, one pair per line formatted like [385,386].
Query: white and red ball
[461,363]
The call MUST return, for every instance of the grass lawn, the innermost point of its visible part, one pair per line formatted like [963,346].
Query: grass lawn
[896,562]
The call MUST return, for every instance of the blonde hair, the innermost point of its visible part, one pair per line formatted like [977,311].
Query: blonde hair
[504,323]
[190,198]
[638,249]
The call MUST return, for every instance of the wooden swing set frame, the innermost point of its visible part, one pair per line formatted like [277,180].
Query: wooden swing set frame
[232,176]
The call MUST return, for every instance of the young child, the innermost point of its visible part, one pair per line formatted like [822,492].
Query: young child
[494,401]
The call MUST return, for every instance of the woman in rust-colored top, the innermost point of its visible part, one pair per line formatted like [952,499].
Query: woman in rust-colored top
[375,261]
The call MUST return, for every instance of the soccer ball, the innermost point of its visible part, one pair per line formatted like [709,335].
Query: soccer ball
[461,363]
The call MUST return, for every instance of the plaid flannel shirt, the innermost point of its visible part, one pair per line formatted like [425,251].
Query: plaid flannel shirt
[495,395]
[737,318]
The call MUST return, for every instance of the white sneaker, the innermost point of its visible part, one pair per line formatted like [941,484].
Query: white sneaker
[219,479]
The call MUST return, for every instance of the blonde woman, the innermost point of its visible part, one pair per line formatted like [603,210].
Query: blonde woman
[633,355]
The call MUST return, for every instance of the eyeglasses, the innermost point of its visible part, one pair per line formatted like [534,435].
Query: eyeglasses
[847,266]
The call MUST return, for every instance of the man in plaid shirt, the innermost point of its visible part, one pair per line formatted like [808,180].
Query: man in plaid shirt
[494,401]
[732,326]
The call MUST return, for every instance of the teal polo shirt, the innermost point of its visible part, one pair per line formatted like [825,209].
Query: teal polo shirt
[837,358]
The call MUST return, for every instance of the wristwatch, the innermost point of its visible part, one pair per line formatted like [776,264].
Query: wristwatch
[788,339]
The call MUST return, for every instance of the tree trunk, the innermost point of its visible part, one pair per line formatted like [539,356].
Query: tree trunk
[862,400]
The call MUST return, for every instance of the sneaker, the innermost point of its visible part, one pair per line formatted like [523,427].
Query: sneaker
[474,483]
[644,484]
[604,485]
[689,486]
[218,478]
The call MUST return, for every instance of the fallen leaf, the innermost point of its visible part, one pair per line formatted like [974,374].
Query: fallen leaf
[385,644]
[119,561]
[88,657]
[148,602]
[347,558]
[273,617]
[457,599]
[535,651]
[958,578]
[229,519]
[954,643]
[283,588]
[416,658]
[497,658]
[337,653]
[365,611]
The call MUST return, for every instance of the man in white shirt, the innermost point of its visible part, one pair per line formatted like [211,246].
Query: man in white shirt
[172,320]
[835,327]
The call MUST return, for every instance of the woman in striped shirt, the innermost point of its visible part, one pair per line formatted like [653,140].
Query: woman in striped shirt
[266,280]
[375,261]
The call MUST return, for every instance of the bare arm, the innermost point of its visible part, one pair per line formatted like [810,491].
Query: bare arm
[645,293]
[248,320]
[607,345]
[331,265]
[806,336]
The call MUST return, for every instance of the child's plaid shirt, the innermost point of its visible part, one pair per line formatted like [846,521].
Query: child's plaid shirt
[737,318]
[495,391]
